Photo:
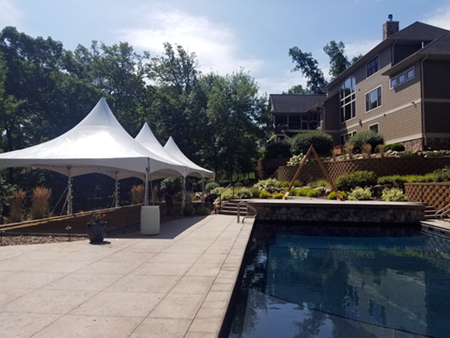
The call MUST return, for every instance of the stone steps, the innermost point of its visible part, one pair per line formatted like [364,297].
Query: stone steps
[230,208]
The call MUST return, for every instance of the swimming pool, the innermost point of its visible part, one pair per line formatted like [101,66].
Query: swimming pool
[311,281]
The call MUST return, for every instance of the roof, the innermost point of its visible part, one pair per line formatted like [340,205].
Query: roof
[415,32]
[98,144]
[294,103]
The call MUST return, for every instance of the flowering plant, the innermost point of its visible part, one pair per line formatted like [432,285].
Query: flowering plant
[97,218]
[295,160]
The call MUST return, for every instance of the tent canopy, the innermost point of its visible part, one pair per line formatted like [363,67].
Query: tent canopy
[98,144]
[172,148]
[149,141]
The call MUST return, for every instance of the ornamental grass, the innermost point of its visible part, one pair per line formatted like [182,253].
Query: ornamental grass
[40,203]
[16,200]
[137,194]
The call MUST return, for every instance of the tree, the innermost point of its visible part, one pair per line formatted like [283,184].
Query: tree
[309,68]
[338,59]
[298,89]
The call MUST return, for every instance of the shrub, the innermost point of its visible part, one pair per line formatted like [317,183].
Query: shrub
[442,175]
[177,183]
[264,184]
[202,211]
[313,193]
[298,183]
[282,184]
[277,150]
[365,137]
[319,183]
[295,160]
[188,210]
[216,191]
[244,193]
[360,194]
[255,192]
[395,147]
[348,182]
[406,155]
[264,194]
[16,200]
[419,178]
[322,142]
[332,195]
[437,153]
[306,192]
[393,195]
[40,206]
[137,194]
[400,180]
[238,184]
[211,186]
[278,195]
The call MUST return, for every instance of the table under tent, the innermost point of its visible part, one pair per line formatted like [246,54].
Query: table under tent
[99,144]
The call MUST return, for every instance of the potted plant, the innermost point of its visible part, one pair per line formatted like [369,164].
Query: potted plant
[96,228]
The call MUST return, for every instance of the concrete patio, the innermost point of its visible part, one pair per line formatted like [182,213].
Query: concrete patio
[176,284]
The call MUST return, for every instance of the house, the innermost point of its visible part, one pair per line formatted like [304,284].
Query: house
[400,89]
[295,113]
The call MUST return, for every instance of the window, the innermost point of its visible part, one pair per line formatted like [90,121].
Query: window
[374,127]
[393,82]
[410,74]
[373,99]
[348,106]
[401,79]
[373,66]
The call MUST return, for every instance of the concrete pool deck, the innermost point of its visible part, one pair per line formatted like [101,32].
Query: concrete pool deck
[175,284]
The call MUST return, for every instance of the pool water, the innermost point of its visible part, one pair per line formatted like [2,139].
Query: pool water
[343,283]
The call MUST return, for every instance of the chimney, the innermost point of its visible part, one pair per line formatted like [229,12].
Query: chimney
[390,27]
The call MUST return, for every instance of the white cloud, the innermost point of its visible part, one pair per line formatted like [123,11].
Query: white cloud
[280,83]
[9,14]
[360,47]
[440,18]
[216,45]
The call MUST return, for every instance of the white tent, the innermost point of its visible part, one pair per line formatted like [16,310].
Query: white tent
[148,140]
[172,148]
[98,144]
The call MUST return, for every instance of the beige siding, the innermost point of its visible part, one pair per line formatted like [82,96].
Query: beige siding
[399,117]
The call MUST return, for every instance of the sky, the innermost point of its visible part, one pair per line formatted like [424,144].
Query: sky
[225,35]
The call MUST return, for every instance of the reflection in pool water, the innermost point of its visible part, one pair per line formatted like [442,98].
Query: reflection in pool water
[388,284]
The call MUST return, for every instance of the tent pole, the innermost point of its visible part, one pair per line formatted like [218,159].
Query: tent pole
[69,191]
[117,191]
[184,195]
[203,189]
[146,186]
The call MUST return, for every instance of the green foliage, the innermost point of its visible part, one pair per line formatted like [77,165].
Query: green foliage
[365,137]
[255,192]
[278,195]
[295,160]
[238,184]
[400,180]
[282,184]
[442,175]
[217,191]
[244,193]
[269,183]
[309,68]
[211,185]
[279,149]
[393,195]
[188,210]
[202,211]
[407,155]
[338,59]
[319,183]
[437,153]
[264,194]
[332,195]
[322,142]
[359,194]
[313,193]
[348,182]
[306,192]
[395,147]
[298,183]
[177,183]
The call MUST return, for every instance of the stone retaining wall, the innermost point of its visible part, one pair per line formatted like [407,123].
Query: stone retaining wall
[342,212]
[436,195]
